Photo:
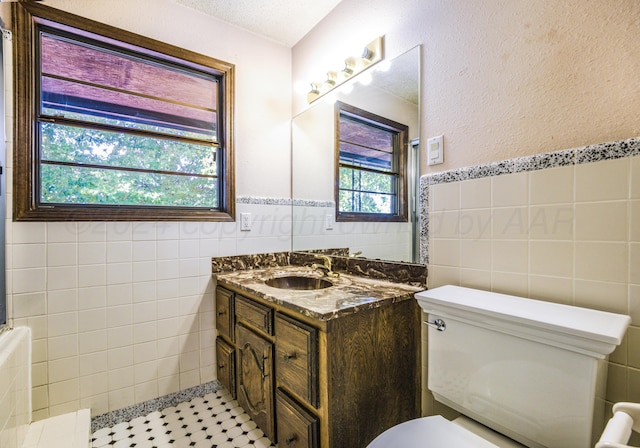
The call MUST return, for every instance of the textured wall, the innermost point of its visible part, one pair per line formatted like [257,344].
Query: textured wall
[502,78]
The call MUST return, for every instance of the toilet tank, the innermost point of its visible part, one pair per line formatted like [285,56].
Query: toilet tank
[532,370]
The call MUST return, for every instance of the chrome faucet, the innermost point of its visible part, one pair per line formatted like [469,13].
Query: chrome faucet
[326,267]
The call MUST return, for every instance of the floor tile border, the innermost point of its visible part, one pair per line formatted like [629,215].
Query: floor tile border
[138,410]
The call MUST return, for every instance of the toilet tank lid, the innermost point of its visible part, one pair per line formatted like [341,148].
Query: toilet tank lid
[588,323]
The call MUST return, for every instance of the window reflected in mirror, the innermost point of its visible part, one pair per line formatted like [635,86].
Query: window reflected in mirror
[371,170]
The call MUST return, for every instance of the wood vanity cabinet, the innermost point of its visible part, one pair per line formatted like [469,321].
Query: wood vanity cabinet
[315,383]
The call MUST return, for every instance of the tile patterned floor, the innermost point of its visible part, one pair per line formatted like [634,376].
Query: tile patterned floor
[212,421]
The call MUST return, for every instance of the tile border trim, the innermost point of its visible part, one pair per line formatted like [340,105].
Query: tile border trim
[255,200]
[576,156]
[313,203]
[155,404]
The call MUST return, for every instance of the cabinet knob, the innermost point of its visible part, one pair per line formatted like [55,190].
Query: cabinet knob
[287,356]
[291,440]
[221,366]
[221,312]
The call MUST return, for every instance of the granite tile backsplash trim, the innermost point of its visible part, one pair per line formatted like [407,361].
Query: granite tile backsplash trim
[576,156]
[411,274]
[393,271]
[398,272]
[254,261]
[312,203]
[262,201]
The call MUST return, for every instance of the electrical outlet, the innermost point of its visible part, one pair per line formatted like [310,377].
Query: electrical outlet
[328,222]
[245,221]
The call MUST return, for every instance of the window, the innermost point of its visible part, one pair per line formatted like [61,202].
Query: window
[371,154]
[116,126]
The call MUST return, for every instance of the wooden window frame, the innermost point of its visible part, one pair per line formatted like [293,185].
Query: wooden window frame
[27,18]
[400,151]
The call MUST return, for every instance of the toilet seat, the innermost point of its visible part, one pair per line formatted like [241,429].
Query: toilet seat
[429,432]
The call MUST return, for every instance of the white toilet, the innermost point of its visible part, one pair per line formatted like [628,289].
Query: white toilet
[530,370]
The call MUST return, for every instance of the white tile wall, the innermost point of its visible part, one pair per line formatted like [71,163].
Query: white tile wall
[387,241]
[64,431]
[569,223]
[568,234]
[15,394]
[122,312]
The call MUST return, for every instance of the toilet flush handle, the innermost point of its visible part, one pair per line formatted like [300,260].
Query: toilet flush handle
[438,324]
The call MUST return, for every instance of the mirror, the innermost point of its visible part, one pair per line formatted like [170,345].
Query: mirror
[393,94]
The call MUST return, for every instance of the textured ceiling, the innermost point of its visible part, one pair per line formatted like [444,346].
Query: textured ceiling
[285,21]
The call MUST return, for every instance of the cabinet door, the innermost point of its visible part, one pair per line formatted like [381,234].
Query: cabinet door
[226,365]
[297,358]
[297,428]
[224,313]
[255,379]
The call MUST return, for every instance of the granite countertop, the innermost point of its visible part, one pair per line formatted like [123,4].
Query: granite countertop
[349,294]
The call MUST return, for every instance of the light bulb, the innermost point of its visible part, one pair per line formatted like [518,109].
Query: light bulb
[365,78]
[383,66]
[346,88]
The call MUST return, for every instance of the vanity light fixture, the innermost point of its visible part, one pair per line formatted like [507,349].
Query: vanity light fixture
[353,65]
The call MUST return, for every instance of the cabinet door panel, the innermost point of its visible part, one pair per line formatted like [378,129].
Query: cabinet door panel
[297,358]
[254,313]
[297,428]
[226,365]
[225,313]
[255,379]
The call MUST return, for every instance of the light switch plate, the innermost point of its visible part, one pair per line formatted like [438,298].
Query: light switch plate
[435,150]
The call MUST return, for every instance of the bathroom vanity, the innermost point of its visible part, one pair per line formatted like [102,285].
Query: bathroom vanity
[330,367]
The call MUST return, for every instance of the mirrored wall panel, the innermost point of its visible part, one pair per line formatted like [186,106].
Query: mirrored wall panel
[389,92]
